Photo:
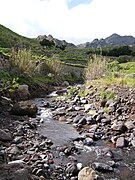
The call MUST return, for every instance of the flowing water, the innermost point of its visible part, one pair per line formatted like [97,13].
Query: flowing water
[62,134]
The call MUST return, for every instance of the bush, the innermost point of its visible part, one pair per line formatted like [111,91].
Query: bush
[53,68]
[24,62]
[95,68]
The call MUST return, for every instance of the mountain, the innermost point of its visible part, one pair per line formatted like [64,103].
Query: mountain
[57,42]
[113,40]
[9,39]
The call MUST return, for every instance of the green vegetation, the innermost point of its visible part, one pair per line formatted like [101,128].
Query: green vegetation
[31,61]
[9,39]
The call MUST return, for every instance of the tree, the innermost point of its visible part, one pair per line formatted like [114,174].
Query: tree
[47,43]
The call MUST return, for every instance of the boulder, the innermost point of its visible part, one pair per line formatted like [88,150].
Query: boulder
[5,136]
[5,101]
[14,171]
[23,108]
[23,92]
[87,173]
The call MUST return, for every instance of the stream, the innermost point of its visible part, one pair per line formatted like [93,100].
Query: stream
[61,134]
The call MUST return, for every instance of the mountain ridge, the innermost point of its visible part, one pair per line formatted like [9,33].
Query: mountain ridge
[112,40]
[9,38]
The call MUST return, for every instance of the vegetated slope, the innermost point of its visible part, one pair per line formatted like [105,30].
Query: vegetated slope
[9,39]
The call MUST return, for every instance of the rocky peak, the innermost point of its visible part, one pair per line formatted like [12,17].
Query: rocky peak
[113,40]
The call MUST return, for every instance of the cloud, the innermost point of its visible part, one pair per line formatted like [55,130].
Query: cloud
[84,22]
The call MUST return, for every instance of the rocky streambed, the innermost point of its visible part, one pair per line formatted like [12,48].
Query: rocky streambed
[71,137]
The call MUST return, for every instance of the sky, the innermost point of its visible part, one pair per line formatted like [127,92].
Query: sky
[76,21]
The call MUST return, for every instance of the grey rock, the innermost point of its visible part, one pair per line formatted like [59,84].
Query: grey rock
[120,142]
[5,136]
[72,168]
[102,167]
[130,125]
[133,142]
[88,141]
[119,126]
[77,118]
[87,107]
[5,101]
[23,108]
[82,121]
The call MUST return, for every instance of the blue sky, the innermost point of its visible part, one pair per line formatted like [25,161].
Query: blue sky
[74,3]
[76,21]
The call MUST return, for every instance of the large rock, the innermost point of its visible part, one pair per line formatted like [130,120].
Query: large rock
[14,171]
[5,136]
[87,173]
[23,92]
[23,108]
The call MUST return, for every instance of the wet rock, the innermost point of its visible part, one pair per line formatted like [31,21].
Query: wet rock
[77,118]
[87,173]
[88,141]
[82,121]
[72,169]
[23,108]
[5,136]
[18,139]
[3,156]
[102,167]
[107,152]
[120,142]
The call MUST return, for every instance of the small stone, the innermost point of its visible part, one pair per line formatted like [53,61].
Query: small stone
[88,141]
[82,121]
[133,142]
[102,167]
[120,142]
[87,107]
[62,118]
[129,125]
[72,168]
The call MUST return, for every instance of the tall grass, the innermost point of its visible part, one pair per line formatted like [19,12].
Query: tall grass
[54,68]
[24,62]
[95,68]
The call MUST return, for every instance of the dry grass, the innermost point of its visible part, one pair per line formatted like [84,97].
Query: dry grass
[95,68]
[24,62]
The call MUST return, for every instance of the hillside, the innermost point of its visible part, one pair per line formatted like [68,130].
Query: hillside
[113,40]
[9,39]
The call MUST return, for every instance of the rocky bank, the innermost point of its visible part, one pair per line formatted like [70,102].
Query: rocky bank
[105,122]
